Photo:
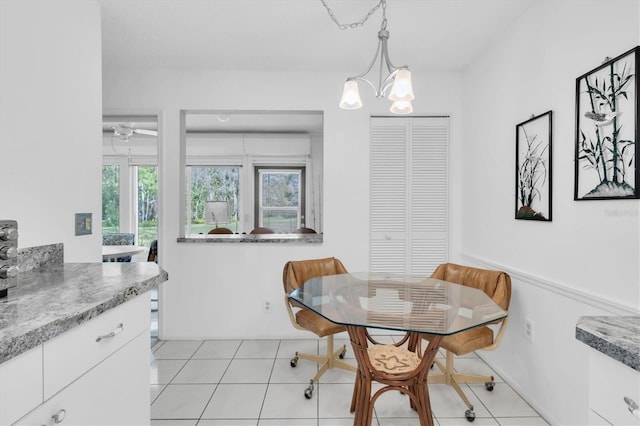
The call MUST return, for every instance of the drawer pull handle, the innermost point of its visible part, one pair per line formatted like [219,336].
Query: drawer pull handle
[632,406]
[118,329]
[59,416]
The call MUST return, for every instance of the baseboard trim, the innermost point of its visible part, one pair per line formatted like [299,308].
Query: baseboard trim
[520,391]
[599,302]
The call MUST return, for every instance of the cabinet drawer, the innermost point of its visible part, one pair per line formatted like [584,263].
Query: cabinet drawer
[116,392]
[71,354]
[20,385]
[610,382]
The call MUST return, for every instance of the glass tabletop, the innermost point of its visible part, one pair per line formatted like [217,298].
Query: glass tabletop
[398,302]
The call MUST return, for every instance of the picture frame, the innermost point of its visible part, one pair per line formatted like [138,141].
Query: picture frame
[606,145]
[534,140]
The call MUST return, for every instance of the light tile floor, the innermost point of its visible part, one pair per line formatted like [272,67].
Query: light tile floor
[251,382]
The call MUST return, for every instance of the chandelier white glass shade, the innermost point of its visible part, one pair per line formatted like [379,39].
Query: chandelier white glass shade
[350,95]
[398,80]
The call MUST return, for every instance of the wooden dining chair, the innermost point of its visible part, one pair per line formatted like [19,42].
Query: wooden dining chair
[497,285]
[152,256]
[303,230]
[262,230]
[220,230]
[296,273]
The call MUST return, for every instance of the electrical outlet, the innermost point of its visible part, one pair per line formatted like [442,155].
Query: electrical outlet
[267,305]
[528,329]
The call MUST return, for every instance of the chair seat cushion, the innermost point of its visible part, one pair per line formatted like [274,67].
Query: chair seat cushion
[468,341]
[392,359]
[317,324]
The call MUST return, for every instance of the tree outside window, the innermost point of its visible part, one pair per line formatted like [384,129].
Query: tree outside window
[212,183]
[147,204]
[110,199]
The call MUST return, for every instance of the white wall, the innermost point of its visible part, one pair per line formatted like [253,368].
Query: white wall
[584,262]
[217,290]
[50,122]
[50,71]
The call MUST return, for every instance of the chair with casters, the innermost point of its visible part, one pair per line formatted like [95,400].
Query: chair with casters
[497,285]
[153,252]
[220,231]
[262,230]
[119,239]
[295,274]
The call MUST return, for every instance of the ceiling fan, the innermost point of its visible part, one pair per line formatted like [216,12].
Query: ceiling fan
[125,130]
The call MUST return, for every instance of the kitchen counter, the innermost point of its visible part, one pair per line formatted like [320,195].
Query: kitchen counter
[53,299]
[615,336]
[254,238]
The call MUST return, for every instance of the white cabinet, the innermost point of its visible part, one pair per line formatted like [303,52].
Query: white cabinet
[115,392]
[94,374]
[610,382]
[68,356]
[20,385]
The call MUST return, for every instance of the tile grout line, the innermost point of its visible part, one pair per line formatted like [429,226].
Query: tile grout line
[176,374]
[219,381]
[264,399]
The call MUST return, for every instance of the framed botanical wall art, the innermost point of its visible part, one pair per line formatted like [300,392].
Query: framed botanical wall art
[533,168]
[607,106]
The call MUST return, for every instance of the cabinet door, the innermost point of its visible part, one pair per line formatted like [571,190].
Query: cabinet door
[409,193]
[388,198]
[610,382]
[20,385]
[114,392]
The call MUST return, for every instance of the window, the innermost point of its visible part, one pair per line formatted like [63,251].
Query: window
[110,199]
[147,204]
[279,200]
[130,177]
[130,196]
[250,169]
[212,183]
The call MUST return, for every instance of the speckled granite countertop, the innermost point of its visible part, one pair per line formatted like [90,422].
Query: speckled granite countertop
[53,299]
[617,337]
[254,238]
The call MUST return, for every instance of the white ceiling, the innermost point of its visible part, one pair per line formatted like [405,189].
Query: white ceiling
[299,35]
[294,35]
[308,122]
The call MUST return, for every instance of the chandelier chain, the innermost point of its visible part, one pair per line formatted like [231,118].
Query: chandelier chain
[381,3]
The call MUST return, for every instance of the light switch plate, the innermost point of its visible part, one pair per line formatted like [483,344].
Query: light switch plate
[83,223]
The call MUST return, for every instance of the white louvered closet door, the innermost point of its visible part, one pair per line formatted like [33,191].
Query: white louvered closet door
[409,194]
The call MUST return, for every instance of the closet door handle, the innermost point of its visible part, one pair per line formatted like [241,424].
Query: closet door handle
[117,330]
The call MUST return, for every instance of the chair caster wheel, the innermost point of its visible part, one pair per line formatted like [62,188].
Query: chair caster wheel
[294,361]
[489,385]
[308,392]
[470,415]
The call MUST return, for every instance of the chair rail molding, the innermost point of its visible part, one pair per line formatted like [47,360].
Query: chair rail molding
[554,287]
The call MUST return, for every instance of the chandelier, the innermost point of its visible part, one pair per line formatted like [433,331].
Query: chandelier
[398,78]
